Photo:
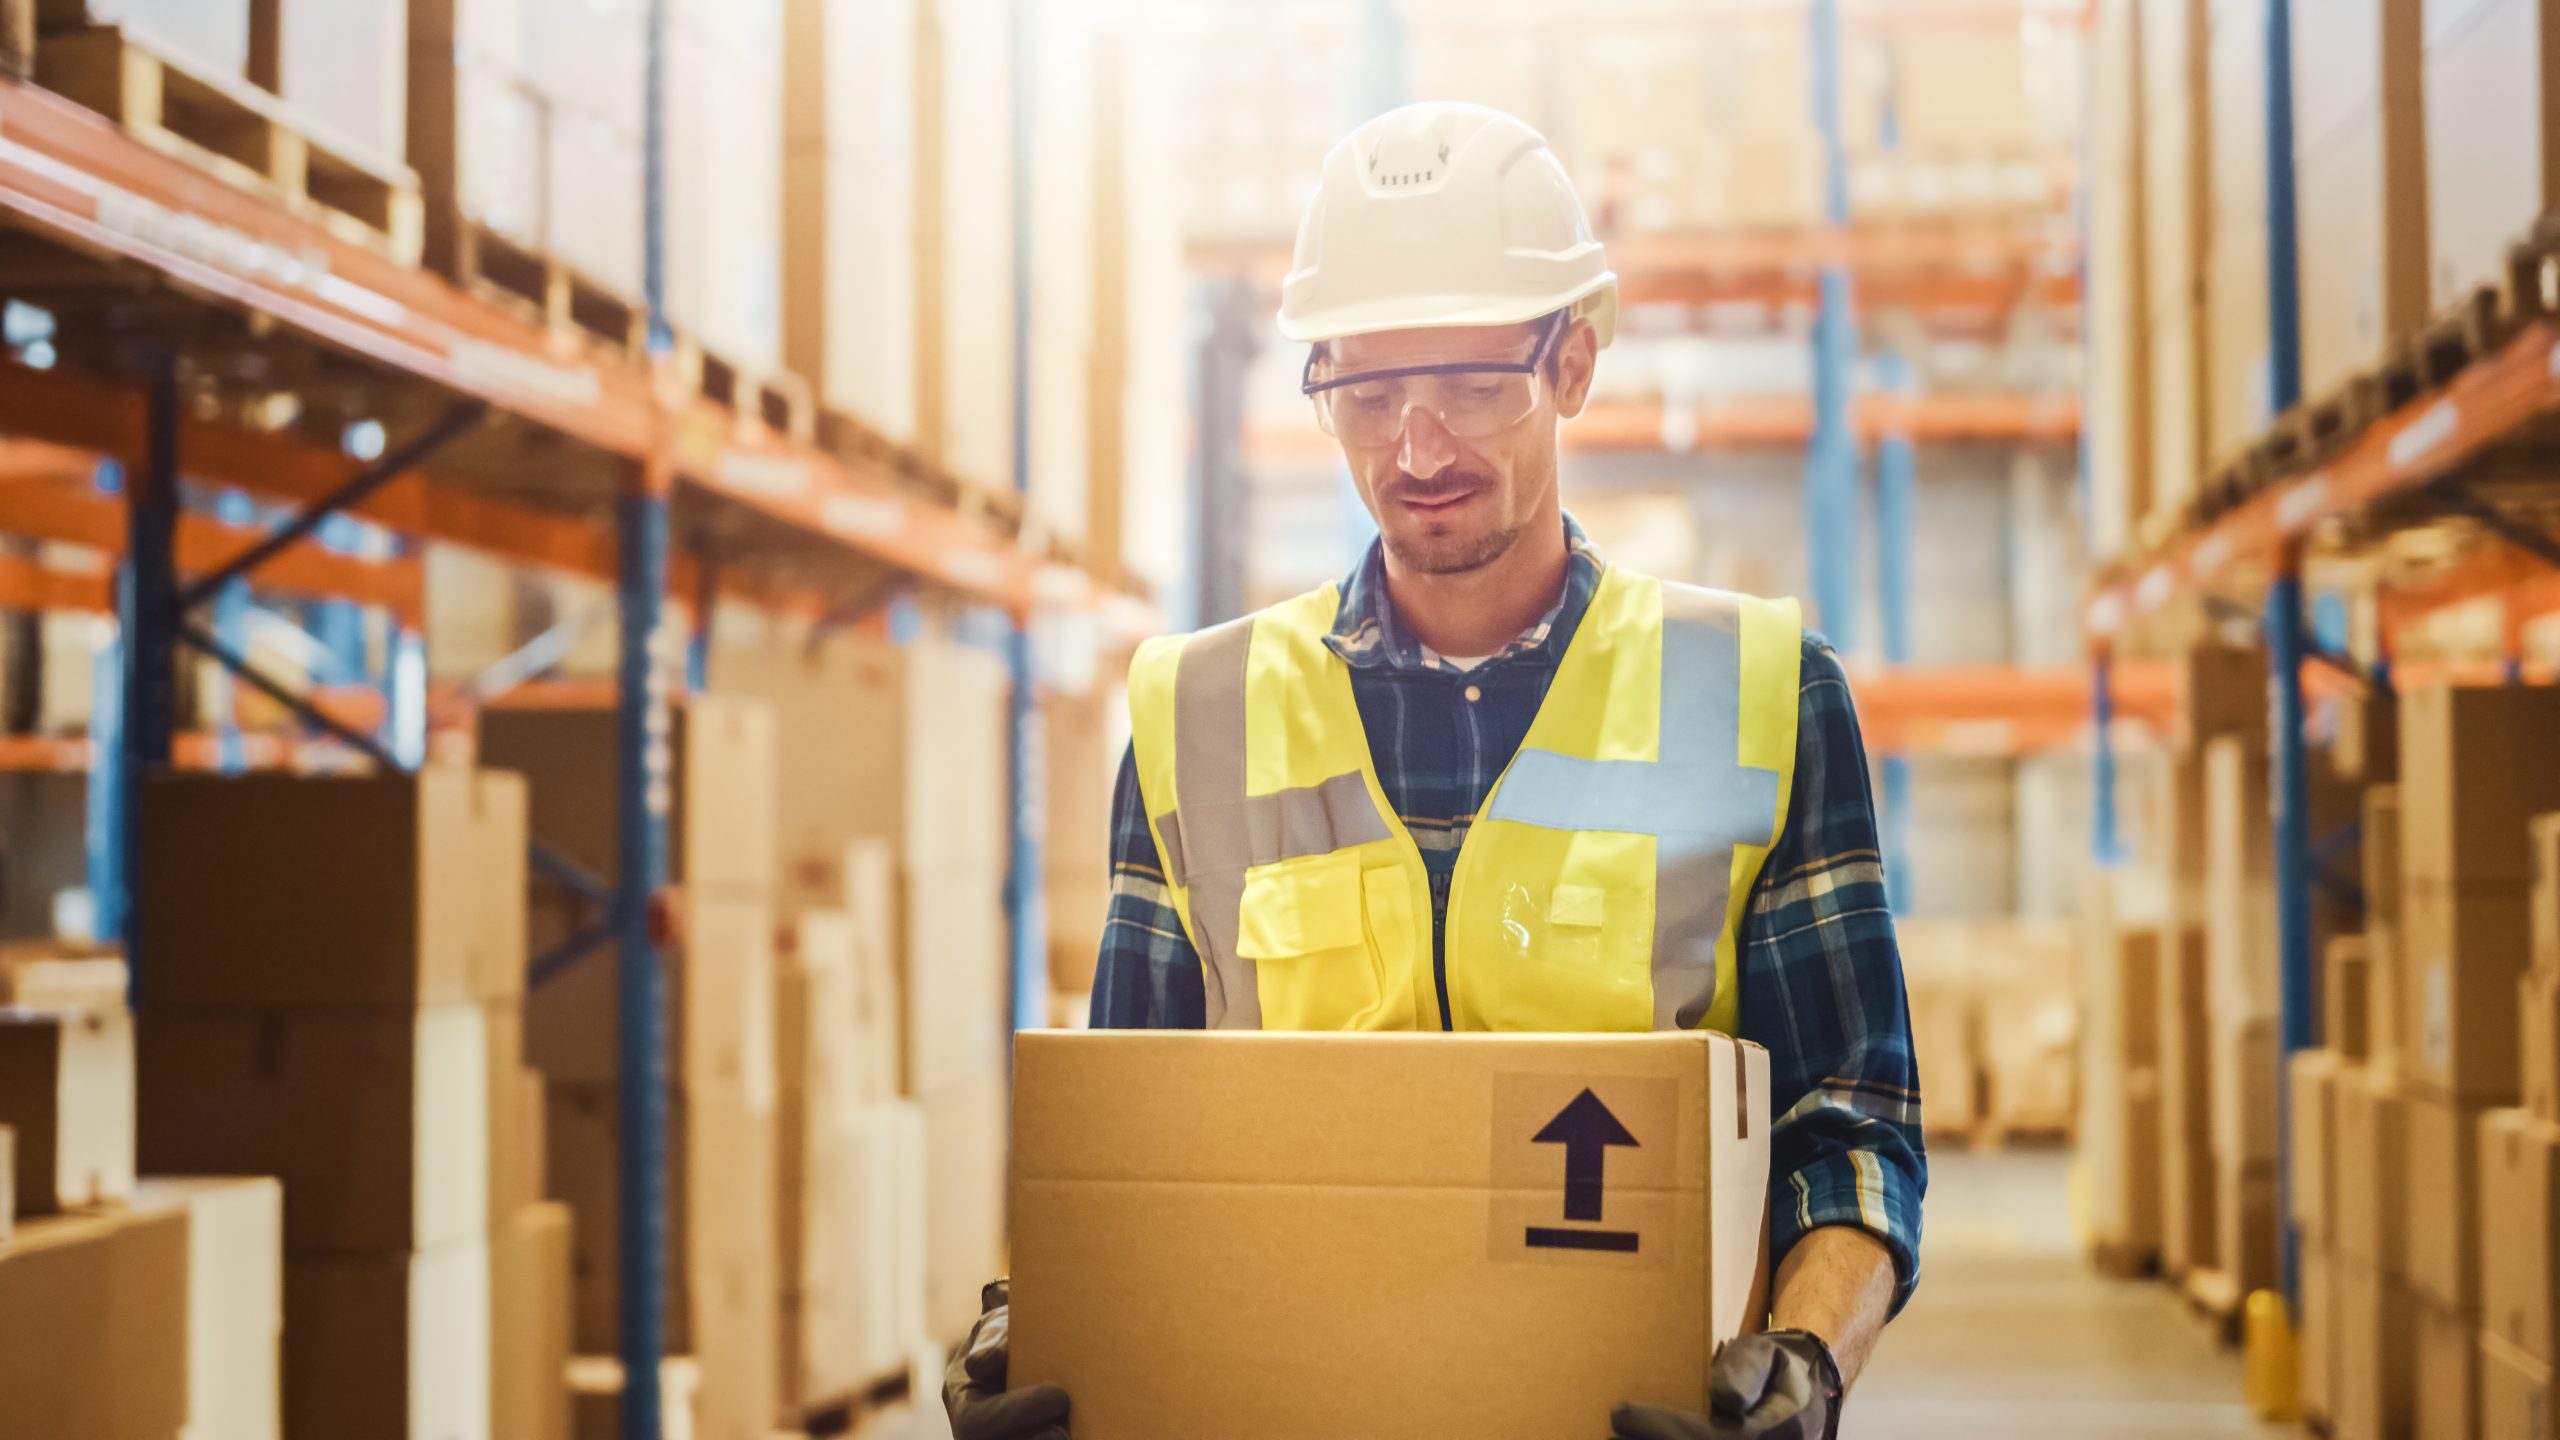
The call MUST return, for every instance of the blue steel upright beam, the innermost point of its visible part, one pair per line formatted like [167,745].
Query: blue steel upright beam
[2288,779]
[148,610]
[642,731]
[1025,879]
[1831,462]
[1897,467]
[2103,844]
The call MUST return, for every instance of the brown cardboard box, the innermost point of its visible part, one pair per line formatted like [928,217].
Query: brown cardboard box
[376,1120]
[2447,1398]
[388,1344]
[2491,132]
[2188,1229]
[720,1169]
[720,828]
[2544,896]
[2376,1382]
[515,1118]
[66,1089]
[2515,1392]
[2539,1044]
[2176,176]
[2314,1076]
[2520,1287]
[2366,747]
[84,1297]
[8,1182]
[2441,1190]
[966,1144]
[958,991]
[529,1324]
[2383,1000]
[2463,954]
[233,1302]
[2319,1335]
[341,67]
[2246,1074]
[332,890]
[2238,394]
[719,972]
[2245,1207]
[819,1066]
[2370,1188]
[2360,169]
[52,975]
[1946,1038]
[2346,997]
[1354,1222]
[2222,690]
[2464,801]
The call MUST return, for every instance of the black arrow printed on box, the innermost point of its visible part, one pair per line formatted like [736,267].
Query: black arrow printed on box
[1586,1129]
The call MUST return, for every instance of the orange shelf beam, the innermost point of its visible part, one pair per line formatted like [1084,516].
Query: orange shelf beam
[2425,440]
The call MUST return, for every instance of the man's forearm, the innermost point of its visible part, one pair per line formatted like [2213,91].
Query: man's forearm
[1838,1283]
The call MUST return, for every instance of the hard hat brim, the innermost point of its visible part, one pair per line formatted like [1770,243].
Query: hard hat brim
[1598,300]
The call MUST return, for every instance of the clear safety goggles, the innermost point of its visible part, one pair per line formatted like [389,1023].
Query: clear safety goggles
[1471,399]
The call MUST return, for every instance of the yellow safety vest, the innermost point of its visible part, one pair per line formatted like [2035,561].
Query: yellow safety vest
[1602,885]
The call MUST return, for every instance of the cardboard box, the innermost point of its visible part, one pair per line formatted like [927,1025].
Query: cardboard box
[1588,1280]
[2222,690]
[342,67]
[722,784]
[819,1066]
[515,1118]
[2245,1209]
[2447,1394]
[957,983]
[85,1297]
[2384,1003]
[2319,1335]
[2366,744]
[2520,1288]
[2491,125]
[529,1324]
[333,890]
[2515,1392]
[388,1344]
[855,1301]
[2370,1187]
[720,1169]
[2245,1076]
[8,1182]
[2176,200]
[2544,894]
[2346,997]
[376,1120]
[966,1146]
[2463,954]
[52,975]
[2239,393]
[718,966]
[2465,803]
[233,1300]
[2376,1381]
[2360,167]
[66,1090]
[2539,1043]
[2314,1076]
[595,1397]
[724,184]
[2188,1229]
[2440,1176]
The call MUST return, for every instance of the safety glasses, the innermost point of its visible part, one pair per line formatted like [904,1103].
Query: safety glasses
[1471,399]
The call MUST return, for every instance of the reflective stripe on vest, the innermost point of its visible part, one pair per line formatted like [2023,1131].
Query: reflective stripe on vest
[1594,891]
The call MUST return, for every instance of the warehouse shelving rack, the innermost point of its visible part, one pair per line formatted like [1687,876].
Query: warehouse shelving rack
[2463,463]
[186,307]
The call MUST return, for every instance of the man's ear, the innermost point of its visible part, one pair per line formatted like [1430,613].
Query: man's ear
[1576,359]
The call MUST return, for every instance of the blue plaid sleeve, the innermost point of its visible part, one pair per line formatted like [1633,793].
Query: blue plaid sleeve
[1822,989]
[1148,977]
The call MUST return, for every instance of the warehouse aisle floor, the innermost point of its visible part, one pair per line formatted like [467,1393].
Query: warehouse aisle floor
[2014,1337]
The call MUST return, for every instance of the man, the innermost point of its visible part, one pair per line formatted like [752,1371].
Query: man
[1616,804]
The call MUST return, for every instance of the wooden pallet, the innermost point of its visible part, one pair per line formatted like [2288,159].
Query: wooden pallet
[240,134]
[781,399]
[542,287]
[2216,1298]
[847,1415]
[2124,1260]
[845,436]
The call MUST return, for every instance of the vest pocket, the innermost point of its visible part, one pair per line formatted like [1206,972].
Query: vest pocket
[1576,918]
[1303,926]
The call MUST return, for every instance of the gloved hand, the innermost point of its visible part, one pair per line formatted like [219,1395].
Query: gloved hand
[1776,1385]
[973,1391]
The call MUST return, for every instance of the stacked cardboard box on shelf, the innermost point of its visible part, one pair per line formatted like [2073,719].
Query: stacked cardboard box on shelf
[721,1095]
[724,179]
[2491,129]
[2238,391]
[904,746]
[2519,1184]
[1995,1025]
[1083,757]
[2176,193]
[342,65]
[2359,150]
[331,958]
[2120,1128]
[964,218]
[849,197]
[2119,418]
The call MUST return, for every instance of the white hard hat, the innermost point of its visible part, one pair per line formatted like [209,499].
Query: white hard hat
[1443,214]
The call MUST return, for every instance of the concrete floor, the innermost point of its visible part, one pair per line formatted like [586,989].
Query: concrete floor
[2013,1337]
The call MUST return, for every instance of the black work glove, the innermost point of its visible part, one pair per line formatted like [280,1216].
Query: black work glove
[1777,1385]
[973,1392]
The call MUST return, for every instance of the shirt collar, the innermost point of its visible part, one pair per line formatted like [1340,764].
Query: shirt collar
[1368,633]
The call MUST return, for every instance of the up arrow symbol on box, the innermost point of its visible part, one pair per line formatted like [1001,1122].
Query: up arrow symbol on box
[1586,1130]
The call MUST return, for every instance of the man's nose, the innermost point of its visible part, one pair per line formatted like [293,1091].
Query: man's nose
[1426,447]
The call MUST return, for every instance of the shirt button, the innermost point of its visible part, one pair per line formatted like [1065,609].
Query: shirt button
[1474,694]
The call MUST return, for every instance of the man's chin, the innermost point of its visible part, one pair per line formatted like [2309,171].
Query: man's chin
[1449,554]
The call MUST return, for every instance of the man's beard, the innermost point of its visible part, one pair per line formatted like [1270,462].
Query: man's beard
[1452,554]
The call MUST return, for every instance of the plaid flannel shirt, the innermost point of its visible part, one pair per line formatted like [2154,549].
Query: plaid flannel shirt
[1821,975]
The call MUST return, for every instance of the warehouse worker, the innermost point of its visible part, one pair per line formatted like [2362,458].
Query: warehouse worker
[1488,748]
